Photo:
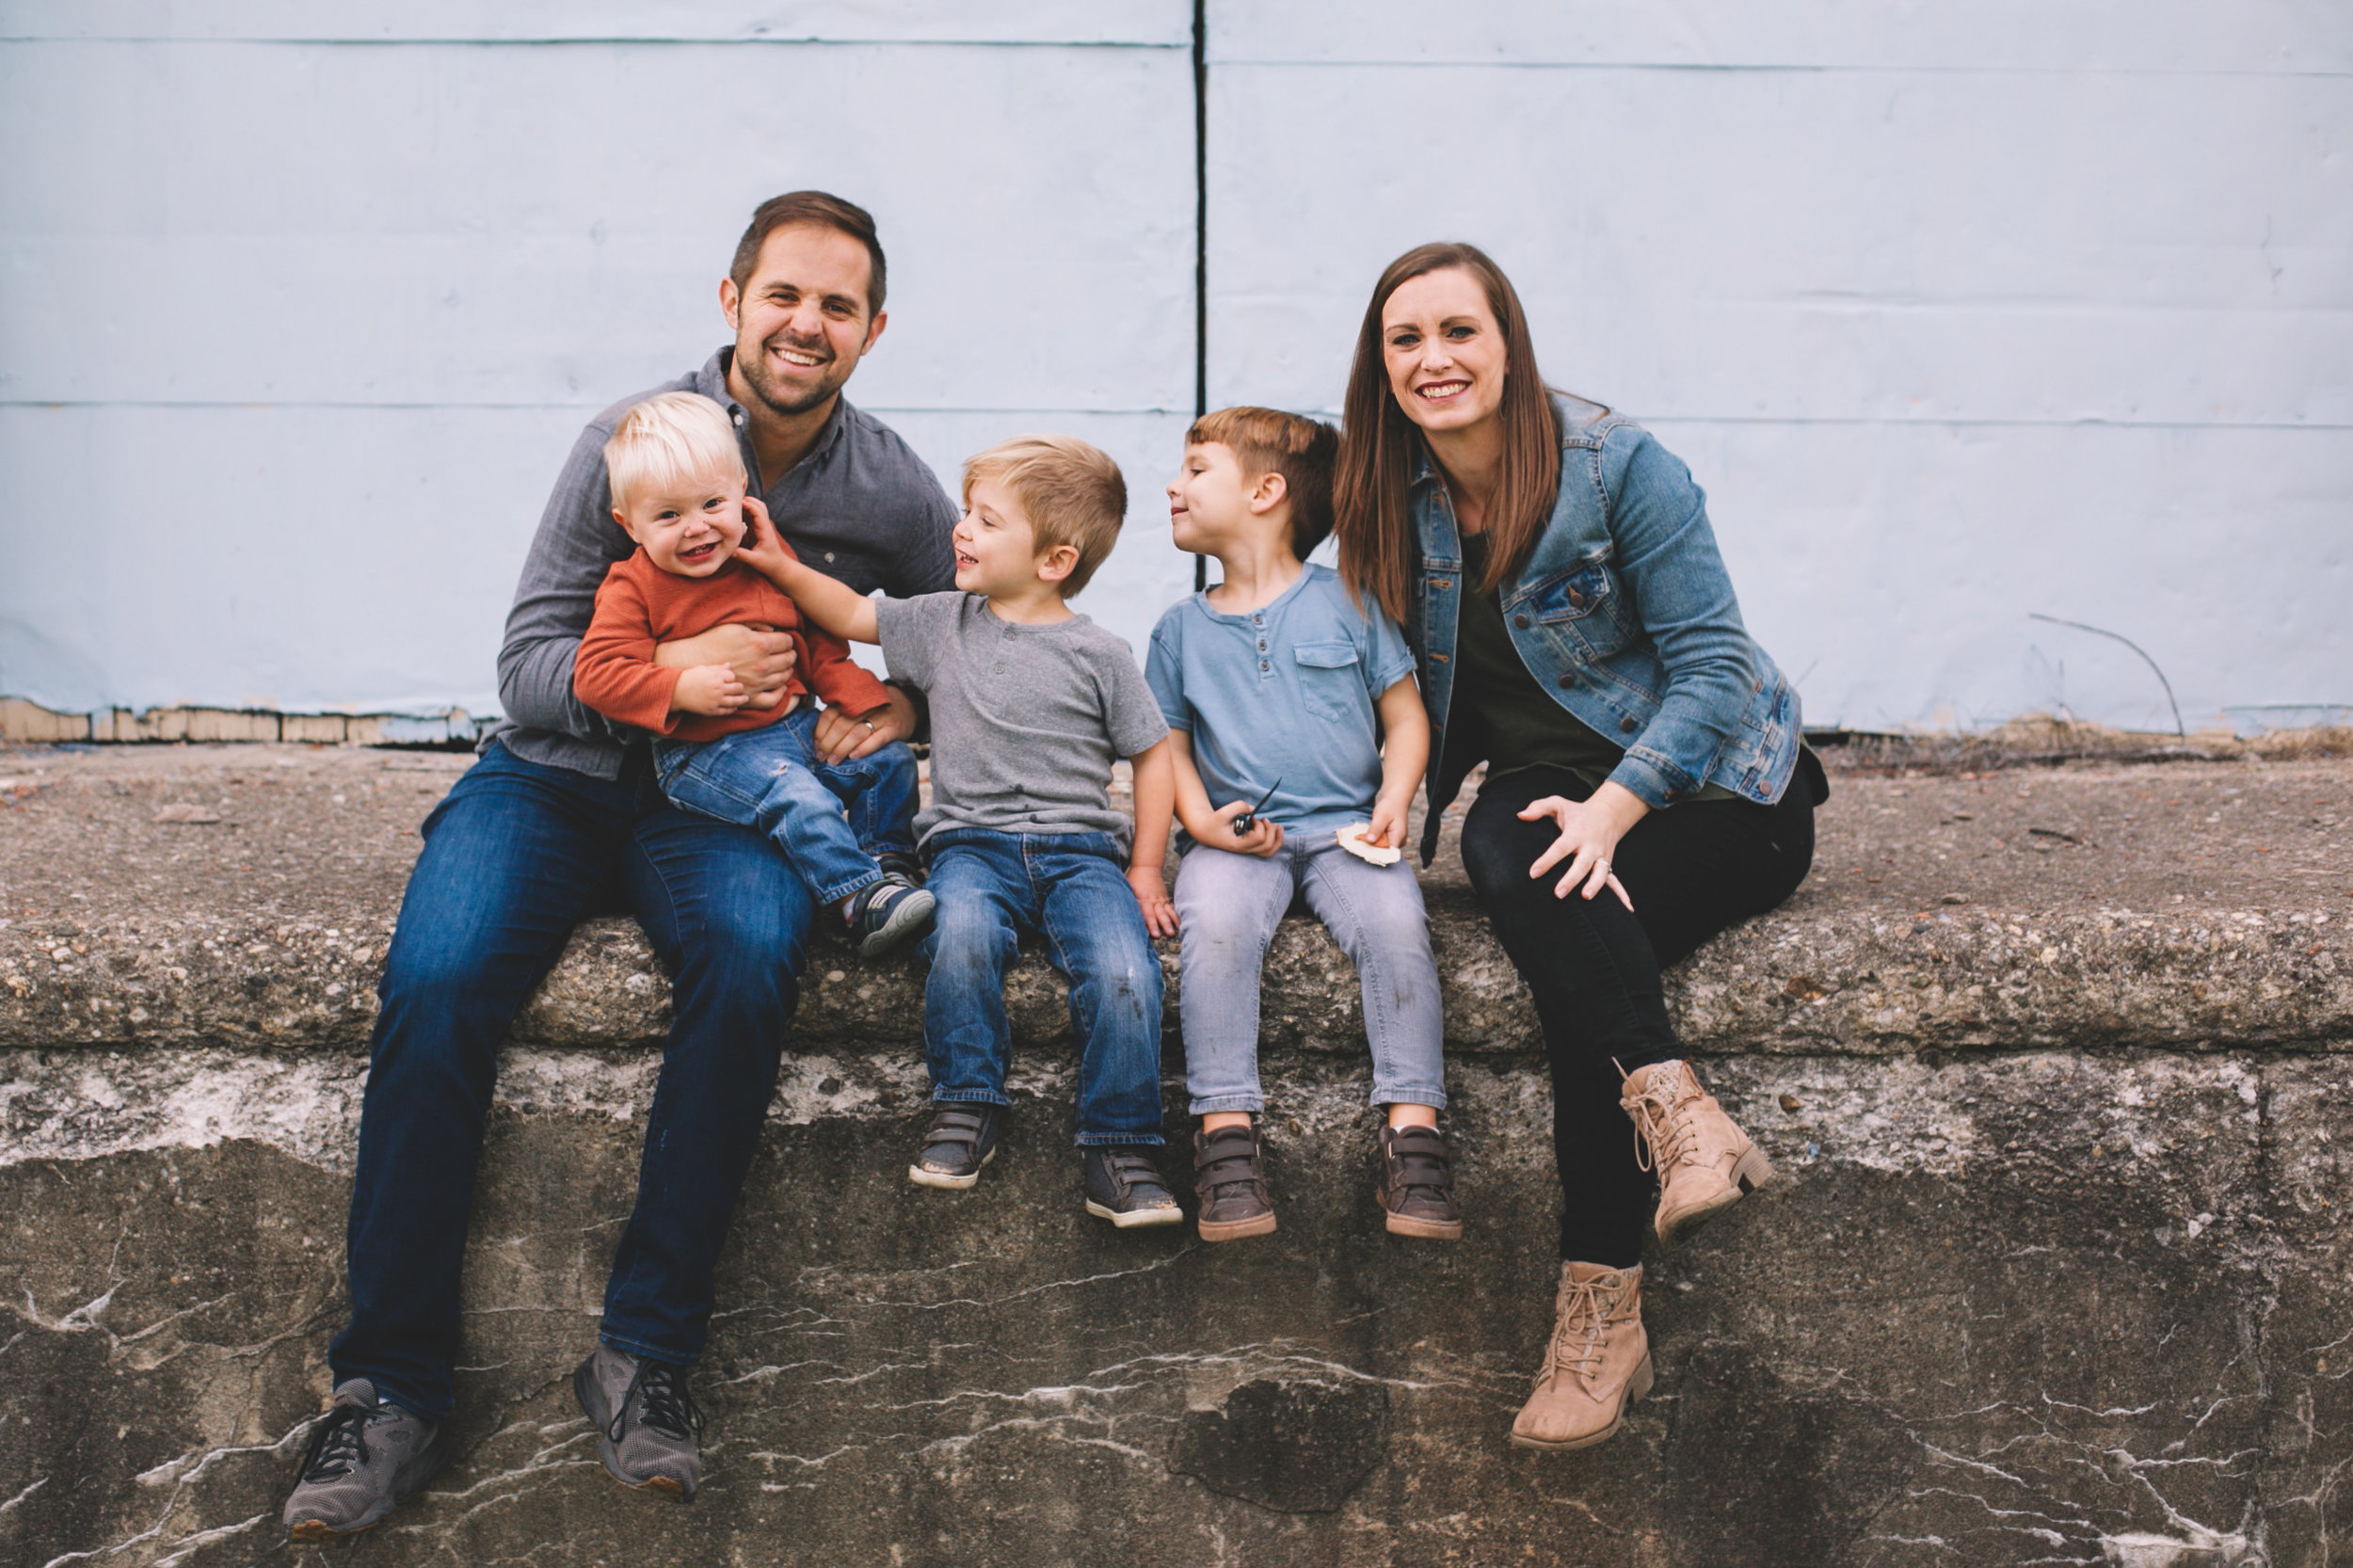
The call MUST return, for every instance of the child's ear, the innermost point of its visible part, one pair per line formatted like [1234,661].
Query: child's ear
[1058,563]
[1268,493]
[622,519]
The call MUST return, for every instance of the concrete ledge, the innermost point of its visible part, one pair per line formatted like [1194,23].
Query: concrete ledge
[266,925]
[2074,1290]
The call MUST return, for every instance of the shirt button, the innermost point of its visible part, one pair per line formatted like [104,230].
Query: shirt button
[1520,621]
[1566,680]
[828,554]
[1577,599]
[1264,665]
[1629,726]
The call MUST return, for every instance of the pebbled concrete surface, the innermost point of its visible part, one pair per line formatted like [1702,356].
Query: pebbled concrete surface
[2049,1265]
[2172,905]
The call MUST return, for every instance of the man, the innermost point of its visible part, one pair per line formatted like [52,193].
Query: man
[560,818]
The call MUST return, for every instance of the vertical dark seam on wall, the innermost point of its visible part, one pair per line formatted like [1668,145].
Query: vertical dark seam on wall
[1200,236]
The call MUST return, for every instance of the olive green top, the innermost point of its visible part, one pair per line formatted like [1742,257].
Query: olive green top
[1518,719]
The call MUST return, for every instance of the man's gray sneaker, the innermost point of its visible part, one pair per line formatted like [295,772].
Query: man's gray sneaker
[366,1455]
[647,1423]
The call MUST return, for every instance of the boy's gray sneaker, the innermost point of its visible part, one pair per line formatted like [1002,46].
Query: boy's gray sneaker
[364,1456]
[647,1424]
[1125,1187]
[884,914]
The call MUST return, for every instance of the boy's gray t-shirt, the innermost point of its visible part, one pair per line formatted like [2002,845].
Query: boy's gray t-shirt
[1026,720]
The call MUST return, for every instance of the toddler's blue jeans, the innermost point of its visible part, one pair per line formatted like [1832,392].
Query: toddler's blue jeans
[830,819]
[1070,887]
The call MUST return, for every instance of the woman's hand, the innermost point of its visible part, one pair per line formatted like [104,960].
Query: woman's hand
[840,736]
[1589,831]
[1263,838]
[1151,889]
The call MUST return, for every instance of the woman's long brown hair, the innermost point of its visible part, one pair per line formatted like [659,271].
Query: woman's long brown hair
[1379,444]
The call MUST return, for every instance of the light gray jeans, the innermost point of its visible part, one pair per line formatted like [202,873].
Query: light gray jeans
[1229,906]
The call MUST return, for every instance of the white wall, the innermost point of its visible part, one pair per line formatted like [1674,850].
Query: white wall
[296,330]
[1957,312]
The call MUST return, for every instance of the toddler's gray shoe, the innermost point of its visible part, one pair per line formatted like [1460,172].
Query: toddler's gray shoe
[647,1427]
[887,913]
[1126,1188]
[365,1455]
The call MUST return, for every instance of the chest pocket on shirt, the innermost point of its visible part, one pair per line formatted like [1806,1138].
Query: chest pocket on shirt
[1329,679]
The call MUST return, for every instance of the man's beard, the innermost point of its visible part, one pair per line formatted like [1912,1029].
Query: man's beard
[779,401]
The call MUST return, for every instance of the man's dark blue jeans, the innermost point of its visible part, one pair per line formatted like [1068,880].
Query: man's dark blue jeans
[513,856]
[1070,887]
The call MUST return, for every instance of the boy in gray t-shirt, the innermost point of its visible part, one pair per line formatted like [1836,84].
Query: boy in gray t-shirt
[1030,705]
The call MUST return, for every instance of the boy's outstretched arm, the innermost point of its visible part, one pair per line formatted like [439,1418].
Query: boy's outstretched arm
[1404,758]
[1156,802]
[1210,825]
[836,606]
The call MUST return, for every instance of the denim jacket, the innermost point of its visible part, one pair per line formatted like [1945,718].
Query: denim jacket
[1625,615]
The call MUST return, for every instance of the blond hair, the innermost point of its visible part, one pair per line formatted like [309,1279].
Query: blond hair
[667,440]
[1072,493]
[1302,450]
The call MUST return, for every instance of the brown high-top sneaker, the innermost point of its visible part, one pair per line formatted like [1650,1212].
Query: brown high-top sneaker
[1597,1364]
[1704,1161]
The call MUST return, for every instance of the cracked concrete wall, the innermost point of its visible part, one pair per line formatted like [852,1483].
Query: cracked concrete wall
[2051,1065]
[1997,1310]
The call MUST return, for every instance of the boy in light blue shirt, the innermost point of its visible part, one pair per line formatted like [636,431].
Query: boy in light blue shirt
[1280,692]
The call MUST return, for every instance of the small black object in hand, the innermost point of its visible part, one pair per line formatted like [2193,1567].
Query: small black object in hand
[1248,820]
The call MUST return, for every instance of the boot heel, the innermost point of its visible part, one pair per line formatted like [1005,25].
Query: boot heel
[1753,1171]
[1639,1384]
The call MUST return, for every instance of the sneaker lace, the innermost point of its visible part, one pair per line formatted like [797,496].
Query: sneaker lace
[668,1407]
[339,1446]
[1665,1134]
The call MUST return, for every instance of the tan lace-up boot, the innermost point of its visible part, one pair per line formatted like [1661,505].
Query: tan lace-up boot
[1704,1161]
[1597,1364]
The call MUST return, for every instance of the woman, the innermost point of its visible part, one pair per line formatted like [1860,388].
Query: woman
[1554,569]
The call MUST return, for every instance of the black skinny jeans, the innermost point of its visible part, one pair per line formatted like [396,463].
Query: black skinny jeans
[1691,870]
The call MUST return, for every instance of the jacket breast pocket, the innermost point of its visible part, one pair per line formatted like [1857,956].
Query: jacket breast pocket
[1585,607]
[1331,680]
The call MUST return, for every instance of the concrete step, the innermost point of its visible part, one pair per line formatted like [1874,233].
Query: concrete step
[2058,1271]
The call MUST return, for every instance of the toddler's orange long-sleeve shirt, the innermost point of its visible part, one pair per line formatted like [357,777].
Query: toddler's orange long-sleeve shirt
[640,605]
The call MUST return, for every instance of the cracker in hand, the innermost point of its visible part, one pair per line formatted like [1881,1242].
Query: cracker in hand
[1352,839]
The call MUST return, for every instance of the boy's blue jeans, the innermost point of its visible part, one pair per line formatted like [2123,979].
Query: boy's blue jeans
[513,858]
[1071,888]
[1229,906]
[771,778]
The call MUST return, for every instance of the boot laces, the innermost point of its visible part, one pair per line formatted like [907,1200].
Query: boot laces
[339,1446]
[1665,1133]
[1588,1310]
[668,1407]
